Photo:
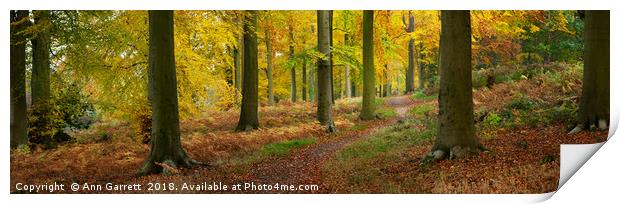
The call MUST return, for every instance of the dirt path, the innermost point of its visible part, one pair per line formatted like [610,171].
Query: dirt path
[304,166]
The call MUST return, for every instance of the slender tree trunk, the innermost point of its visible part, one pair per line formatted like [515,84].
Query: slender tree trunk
[331,56]
[368,99]
[324,108]
[456,136]
[248,119]
[166,141]
[269,68]
[420,69]
[312,85]
[304,82]
[594,101]
[291,55]
[347,68]
[409,83]
[19,117]
[238,66]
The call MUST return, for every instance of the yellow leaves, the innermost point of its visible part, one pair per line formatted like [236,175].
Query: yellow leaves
[534,28]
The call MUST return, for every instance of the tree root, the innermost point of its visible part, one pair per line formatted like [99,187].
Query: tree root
[602,125]
[330,128]
[169,167]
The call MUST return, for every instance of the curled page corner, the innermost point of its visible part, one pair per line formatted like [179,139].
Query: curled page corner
[572,157]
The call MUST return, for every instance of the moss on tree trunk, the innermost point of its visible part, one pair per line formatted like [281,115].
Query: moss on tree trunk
[19,118]
[368,98]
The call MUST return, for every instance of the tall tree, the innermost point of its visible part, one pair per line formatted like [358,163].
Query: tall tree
[40,82]
[594,104]
[347,68]
[456,136]
[409,28]
[291,55]
[324,86]
[19,118]
[268,41]
[238,62]
[42,129]
[304,80]
[162,84]
[331,56]
[368,98]
[248,119]
[421,74]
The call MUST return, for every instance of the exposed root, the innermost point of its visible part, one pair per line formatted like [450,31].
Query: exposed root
[330,128]
[602,124]
[577,129]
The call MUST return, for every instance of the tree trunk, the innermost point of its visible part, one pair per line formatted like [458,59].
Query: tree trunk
[291,55]
[409,81]
[238,66]
[420,69]
[312,85]
[456,136]
[594,102]
[347,68]
[304,82]
[271,100]
[166,141]
[368,99]
[19,118]
[331,56]
[248,119]
[324,86]
[40,81]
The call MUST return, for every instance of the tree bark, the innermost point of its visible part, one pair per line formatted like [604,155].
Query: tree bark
[238,64]
[248,119]
[304,82]
[165,145]
[19,117]
[421,74]
[368,99]
[271,100]
[331,56]
[324,85]
[40,80]
[409,83]
[594,102]
[456,136]
[347,68]
[291,55]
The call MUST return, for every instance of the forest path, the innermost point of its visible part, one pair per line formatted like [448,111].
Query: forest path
[304,166]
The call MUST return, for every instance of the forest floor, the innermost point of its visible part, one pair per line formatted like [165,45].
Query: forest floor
[378,156]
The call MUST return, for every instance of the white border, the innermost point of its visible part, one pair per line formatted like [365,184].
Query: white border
[600,174]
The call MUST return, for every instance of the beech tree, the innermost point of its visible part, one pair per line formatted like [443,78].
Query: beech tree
[291,55]
[409,28]
[324,96]
[19,117]
[456,137]
[368,98]
[165,145]
[594,102]
[268,39]
[248,119]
